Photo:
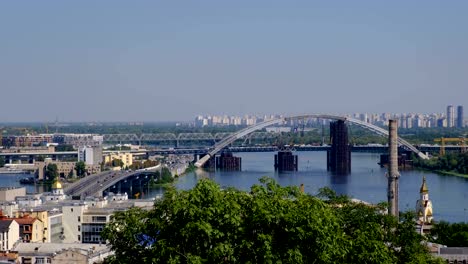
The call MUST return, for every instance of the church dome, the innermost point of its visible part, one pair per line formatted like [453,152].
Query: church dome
[56,184]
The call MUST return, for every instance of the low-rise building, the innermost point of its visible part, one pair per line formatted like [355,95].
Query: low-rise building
[64,168]
[31,229]
[56,194]
[61,253]
[53,217]
[26,141]
[79,139]
[125,157]
[9,257]
[9,234]
[10,193]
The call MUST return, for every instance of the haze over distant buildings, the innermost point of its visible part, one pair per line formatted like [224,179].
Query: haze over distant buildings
[158,61]
[405,120]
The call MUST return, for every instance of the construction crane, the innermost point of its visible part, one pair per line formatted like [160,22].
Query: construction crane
[460,140]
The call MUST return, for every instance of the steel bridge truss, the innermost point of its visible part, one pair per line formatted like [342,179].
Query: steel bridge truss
[182,137]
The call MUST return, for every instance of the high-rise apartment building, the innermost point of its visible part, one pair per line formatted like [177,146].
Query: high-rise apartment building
[450,116]
[90,155]
[460,121]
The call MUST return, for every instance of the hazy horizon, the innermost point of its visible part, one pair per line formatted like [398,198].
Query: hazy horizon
[170,61]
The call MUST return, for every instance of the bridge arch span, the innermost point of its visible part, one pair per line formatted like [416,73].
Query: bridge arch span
[244,132]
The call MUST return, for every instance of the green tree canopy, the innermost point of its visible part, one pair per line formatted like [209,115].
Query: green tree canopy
[117,163]
[80,168]
[452,235]
[269,224]
[51,171]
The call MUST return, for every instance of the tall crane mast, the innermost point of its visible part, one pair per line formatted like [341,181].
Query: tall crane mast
[460,140]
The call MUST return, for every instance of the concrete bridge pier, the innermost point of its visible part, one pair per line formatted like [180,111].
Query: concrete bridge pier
[286,161]
[211,163]
[228,162]
[339,156]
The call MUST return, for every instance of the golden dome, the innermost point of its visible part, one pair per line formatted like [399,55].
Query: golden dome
[56,184]
[424,188]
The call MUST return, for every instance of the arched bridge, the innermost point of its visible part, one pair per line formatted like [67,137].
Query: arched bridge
[246,131]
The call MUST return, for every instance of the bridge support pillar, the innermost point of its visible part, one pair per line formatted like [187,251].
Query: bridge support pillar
[339,156]
[211,163]
[228,162]
[285,161]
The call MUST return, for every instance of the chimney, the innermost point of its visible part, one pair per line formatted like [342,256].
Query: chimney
[393,173]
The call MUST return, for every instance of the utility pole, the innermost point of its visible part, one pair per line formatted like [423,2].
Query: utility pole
[393,174]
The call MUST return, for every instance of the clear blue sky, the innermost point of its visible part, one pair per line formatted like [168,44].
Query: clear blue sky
[171,60]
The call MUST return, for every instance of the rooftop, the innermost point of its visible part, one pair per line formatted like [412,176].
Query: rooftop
[50,248]
[10,188]
[5,225]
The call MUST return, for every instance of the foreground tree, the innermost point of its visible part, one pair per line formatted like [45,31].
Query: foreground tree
[268,225]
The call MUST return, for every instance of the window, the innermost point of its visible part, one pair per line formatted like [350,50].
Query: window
[99,219]
[79,238]
[71,209]
[79,228]
[79,218]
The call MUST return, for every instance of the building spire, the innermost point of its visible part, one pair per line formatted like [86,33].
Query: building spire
[424,188]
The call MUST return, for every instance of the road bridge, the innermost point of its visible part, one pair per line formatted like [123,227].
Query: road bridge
[246,131]
[31,156]
[94,185]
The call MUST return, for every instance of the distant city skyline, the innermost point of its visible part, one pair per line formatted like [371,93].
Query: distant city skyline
[107,61]
[405,120]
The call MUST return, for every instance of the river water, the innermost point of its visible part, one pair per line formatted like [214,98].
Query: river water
[367,181]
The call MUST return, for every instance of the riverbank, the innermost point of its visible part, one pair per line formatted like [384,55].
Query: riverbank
[441,172]
[451,173]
